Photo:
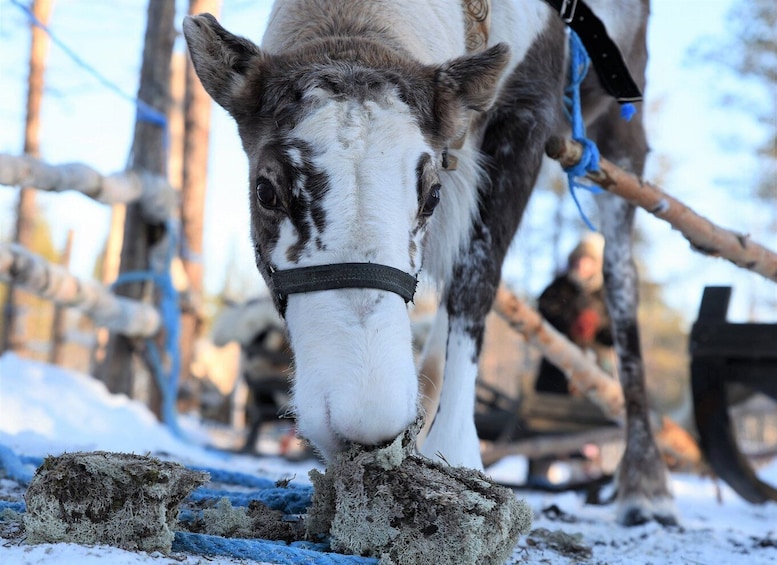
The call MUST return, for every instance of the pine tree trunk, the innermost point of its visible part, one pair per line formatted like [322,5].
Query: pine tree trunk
[149,153]
[11,337]
[195,170]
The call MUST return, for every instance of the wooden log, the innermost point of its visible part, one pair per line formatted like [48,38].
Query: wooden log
[599,387]
[551,444]
[154,194]
[703,235]
[35,274]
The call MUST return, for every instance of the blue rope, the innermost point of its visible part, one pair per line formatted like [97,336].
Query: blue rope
[169,310]
[236,478]
[292,499]
[589,161]
[18,507]
[16,468]
[579,63]
[261,550]
[144,112]
[286,500]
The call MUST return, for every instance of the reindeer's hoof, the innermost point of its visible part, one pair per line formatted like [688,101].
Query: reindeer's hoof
[638,512]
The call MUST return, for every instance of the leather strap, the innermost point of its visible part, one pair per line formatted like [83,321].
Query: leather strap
[343,275]
[604,53]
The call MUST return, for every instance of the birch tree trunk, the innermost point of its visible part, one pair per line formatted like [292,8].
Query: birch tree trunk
[59,323]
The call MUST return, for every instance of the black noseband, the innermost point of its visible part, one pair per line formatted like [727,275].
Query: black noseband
[342,275]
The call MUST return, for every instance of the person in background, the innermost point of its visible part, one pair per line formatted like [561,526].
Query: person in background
[574,304]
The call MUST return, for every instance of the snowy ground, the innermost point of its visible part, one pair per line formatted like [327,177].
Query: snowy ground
[45,410]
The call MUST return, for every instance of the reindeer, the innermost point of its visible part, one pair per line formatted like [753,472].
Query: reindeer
[390,138]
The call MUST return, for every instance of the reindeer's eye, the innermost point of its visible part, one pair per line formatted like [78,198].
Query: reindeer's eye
[431,201]
[266,194]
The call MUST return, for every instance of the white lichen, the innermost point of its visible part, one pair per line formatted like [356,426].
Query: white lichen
[392,504]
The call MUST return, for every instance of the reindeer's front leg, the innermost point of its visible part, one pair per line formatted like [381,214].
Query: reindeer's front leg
[468,299]
[643,493]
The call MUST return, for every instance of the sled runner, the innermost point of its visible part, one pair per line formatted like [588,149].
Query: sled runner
[723,354]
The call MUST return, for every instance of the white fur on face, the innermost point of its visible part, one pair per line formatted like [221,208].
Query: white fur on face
[355,379]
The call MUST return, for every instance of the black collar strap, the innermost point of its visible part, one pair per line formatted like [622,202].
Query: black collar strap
[342,275]
[605,55]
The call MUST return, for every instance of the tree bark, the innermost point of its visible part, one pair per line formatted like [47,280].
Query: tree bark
[197,112]
[149,154]
[26,208]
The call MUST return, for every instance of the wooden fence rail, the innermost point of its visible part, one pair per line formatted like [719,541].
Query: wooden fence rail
[33,273]
[157,198]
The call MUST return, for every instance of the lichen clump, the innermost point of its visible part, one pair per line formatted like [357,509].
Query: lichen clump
[125,500]
[389,503]
[257,520]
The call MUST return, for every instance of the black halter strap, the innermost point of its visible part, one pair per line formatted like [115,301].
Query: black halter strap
[342,275]
[604,53]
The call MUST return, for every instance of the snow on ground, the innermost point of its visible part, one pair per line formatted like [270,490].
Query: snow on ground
[46,410]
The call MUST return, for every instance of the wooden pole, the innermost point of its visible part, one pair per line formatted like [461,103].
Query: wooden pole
[599,387]
[110,270]
[197,112]
[704,236]
[26,208]
[149,154]
[53,282]
[58,324]
[552,444]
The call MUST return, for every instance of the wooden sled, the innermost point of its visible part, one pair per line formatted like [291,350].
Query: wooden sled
[541,425]
[724,354]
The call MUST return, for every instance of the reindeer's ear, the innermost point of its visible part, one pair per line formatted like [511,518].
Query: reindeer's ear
[220,58]
[473,78]
[468,83]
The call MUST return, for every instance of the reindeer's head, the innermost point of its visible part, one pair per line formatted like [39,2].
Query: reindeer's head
[345,140]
